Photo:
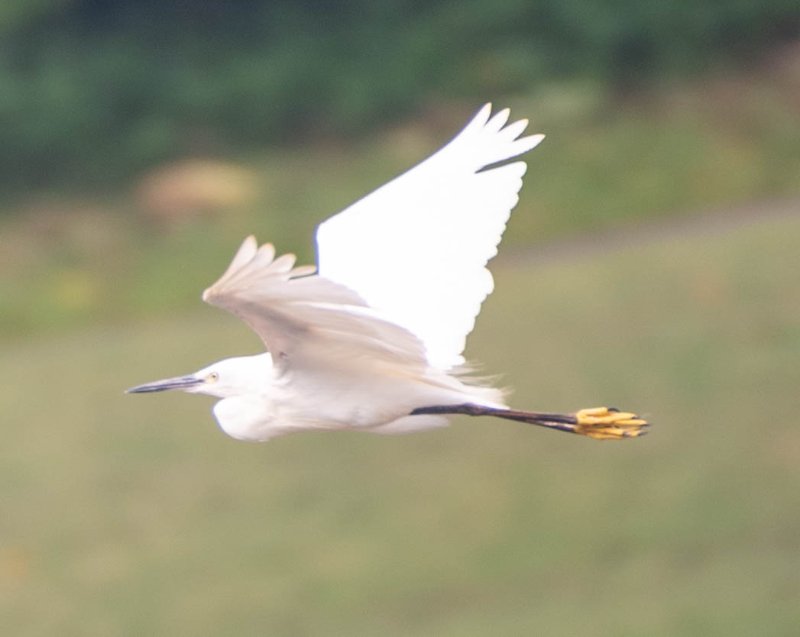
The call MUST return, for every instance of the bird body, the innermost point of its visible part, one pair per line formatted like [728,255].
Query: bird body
[373,339]
[353,399]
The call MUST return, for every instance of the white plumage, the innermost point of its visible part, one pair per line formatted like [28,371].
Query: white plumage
[417,248]
[374,339]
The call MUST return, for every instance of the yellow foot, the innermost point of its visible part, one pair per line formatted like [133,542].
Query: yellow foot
[607,423]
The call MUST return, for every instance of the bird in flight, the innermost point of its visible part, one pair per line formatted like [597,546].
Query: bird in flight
[372,338]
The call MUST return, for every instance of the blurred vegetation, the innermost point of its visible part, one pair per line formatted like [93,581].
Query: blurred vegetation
[731,140]
[97,89]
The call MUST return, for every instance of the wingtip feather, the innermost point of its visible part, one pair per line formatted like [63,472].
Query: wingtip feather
[528,142]
[480,119]
[498,120]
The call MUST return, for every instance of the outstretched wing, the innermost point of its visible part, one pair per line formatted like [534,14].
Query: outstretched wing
[416,249]
[307,321]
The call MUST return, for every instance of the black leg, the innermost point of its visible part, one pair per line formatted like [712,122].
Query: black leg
[602,423]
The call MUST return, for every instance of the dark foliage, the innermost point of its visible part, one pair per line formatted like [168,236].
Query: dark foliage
[92,90]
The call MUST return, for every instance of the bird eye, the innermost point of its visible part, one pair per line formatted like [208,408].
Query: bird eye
[213,377]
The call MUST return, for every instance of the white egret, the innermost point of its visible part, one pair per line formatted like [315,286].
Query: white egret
[372,339]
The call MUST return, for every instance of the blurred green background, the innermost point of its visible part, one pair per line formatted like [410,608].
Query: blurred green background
[652,264]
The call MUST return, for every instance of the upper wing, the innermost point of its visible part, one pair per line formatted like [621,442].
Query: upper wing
[416,249]
[308,321]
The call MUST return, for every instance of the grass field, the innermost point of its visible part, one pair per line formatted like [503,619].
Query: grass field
[129,515]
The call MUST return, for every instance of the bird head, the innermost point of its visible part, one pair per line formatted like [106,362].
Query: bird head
[229,377]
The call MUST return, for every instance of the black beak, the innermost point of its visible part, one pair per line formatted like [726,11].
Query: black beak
[181,382]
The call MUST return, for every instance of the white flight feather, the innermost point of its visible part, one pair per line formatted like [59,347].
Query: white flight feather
[307,321]
[416,248]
